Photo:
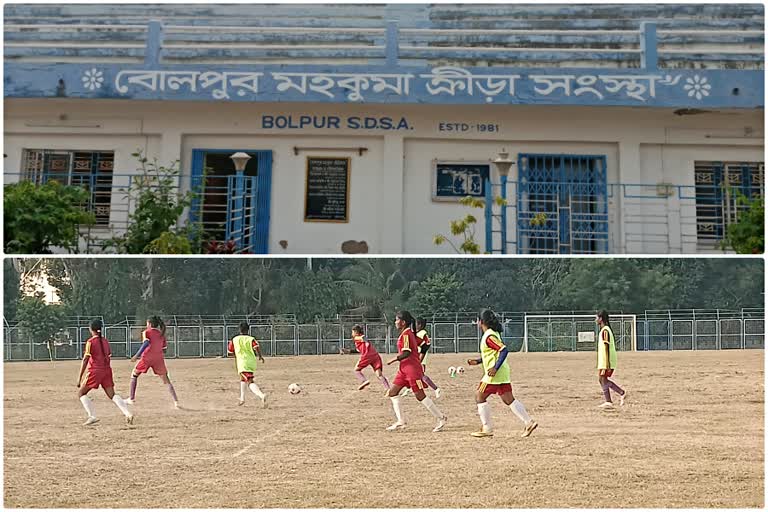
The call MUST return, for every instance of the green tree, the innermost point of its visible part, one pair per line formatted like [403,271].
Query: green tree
[39,217]
[436,294]
[39,322]
[465,228]
[376,286]
[747,236]
[308,294]
[11,290]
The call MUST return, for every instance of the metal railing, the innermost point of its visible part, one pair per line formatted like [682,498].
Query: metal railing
[192,336]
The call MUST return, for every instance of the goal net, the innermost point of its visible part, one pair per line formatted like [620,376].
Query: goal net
[553,333]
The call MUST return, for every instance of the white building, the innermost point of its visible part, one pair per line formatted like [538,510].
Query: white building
[624,138]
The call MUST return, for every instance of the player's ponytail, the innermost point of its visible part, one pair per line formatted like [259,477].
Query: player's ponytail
[490,320]
[603,316]
[421,323]
[97,326]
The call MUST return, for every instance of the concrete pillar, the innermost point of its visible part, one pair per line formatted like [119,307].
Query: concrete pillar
[390,197]
[629,171]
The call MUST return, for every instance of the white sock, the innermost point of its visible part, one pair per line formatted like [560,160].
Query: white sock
[88,406]
[398,408]
[256,391]
[519,409]
[243,387]
[120,403]
[484,409]
[431,407]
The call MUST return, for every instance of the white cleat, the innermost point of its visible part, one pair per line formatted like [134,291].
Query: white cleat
[529,428]
[605,405]
[176,405]
[438,393]
[405,392]
[395,426]
[440,424]
[264,402]
[129,419]
[241,402]
[364,385]
[91,420]
[622,398]
[130,401]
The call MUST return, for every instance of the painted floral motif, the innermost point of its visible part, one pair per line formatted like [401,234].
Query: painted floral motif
[92,79]
[697,86]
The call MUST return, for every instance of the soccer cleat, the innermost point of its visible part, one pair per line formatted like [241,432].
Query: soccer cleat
[482,433]
[405,392]
[130,401]
[622,398]
[129,419]
[438,393]
[91,420]
[264,401]
[529,428]
[176,405]
[241,402]
[605,405]
[395,426]
[363,385]
[440,424]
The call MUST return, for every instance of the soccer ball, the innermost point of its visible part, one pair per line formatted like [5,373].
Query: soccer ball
[460,370]
[452,371]
[294,389]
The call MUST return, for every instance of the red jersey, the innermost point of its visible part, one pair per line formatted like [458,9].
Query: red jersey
[100,352]
[156,344]
[411,365]
[365,347]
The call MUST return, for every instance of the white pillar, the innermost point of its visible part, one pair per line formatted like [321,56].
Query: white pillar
[630,171]
[390,197]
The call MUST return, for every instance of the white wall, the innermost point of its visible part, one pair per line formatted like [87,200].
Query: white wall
[390,199]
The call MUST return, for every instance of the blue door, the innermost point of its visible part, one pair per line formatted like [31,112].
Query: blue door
[232,207]
[562,204]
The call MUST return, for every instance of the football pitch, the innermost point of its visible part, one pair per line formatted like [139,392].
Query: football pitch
[691,435]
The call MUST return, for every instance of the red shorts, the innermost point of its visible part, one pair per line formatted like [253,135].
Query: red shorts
[404,381]
[245,376]
[605,372]
[158,366]
[95,378]
[374,362]
[494,389]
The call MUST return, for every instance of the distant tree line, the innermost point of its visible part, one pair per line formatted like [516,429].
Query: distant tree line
[116,288]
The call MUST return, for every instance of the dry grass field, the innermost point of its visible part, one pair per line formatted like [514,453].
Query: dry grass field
[690,436]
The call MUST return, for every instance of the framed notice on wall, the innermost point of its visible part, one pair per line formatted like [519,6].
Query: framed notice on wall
[452,181]
[326,195]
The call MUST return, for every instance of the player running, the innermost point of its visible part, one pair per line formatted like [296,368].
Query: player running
[606,361]
[496,378]
[246,349]
[422,338]
[368,357]
[97,363]
[150,355]
[410,373]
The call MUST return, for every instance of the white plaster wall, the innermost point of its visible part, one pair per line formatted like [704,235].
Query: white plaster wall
[390,197]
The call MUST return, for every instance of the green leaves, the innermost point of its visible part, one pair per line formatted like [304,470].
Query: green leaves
[39,217]
[39,322]
[465,227]
[747,236]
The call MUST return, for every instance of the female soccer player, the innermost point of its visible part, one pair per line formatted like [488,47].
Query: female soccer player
[97,361]
[424,345]
[246,348]
[606,361]
[151,354]
[410,373]
[497,377]
[369,356]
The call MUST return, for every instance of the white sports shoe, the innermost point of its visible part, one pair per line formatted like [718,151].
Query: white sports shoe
[129,419]
[264,402]
[130,401]
[396,426]
[438,393]
[605,405]
[405,392]
[240,402]
[363,385]
[176,405]
[440,424]
[529,428]
[622,398]
[91,420]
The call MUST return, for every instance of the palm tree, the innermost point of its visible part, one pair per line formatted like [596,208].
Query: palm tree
[376,286]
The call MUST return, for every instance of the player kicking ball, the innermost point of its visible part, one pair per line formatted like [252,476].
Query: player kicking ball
[246,349]
[496,380]
[95,371]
